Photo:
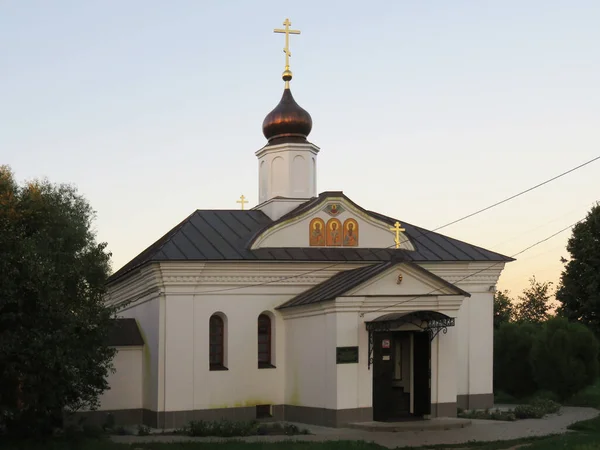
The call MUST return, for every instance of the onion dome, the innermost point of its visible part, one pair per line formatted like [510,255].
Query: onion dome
[288,122]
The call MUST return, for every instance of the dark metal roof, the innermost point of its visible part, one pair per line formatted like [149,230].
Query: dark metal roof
[125,333]
[346,280]
[227,235]
[336,285]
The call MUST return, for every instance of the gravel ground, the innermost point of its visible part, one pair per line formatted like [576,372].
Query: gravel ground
[480,430]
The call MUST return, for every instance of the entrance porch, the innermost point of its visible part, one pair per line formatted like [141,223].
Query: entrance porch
[400,360]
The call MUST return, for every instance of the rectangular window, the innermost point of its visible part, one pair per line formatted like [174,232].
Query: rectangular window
[264,342]
[263,411]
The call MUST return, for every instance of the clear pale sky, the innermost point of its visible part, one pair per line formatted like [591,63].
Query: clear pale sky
[425,111]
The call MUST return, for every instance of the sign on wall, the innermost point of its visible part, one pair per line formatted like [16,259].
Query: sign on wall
[385,343]
[346,355]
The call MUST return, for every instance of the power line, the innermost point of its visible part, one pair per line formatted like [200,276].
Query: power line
[406,240]
[521,193]
[476,272]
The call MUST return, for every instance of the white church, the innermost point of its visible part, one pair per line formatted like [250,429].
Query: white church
[307,307]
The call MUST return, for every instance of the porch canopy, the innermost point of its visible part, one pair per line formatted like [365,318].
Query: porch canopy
[431,321]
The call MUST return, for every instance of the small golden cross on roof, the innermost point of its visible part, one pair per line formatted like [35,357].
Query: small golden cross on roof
[397,229]
[242,201]
[287,74]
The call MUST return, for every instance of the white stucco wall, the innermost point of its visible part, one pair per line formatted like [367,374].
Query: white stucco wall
[310,378]
[481,343]
[126,390]
[474,323]
[354,381]
[189,382]
[287,170]
[147,314]
[174,323]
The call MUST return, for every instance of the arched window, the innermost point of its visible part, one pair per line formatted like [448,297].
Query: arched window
[264,341]
[217,343]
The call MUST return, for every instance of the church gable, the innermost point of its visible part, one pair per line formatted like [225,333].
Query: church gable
[396,279]
[406,279]
[331,221]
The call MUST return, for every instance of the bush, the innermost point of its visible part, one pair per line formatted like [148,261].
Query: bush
[143,430]
[589,396]
[548,406]
[529,412]
[287,429]
[513,343]
[537,409]
[564,357]
[226,428]
[223,428]
[507,416]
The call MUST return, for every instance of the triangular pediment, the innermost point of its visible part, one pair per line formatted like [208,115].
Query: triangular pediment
[330,221]
[405,279]
[389,279]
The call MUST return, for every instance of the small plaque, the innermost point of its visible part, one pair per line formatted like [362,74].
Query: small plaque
[346,355]
[386,357]
[385,343]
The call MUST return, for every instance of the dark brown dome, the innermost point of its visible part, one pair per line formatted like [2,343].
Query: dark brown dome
[288,122]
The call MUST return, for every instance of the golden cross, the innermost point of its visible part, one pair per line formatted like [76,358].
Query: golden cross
[286,49]
[242,200]
[397,229]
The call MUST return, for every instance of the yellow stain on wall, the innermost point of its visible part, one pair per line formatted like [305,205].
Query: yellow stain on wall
[295,397]
[218,406]
[239,404]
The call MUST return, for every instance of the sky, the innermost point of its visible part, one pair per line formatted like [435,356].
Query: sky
[425,111]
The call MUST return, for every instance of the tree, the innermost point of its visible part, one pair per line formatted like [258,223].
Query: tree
[503,309]
[53,321]
[512,368]
[579,289]
[534,304]
[564,357]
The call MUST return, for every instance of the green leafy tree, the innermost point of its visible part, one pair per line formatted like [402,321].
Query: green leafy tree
[534,306]
[579,289]
[564,357]
[53,321]
[503,309]
[512,349]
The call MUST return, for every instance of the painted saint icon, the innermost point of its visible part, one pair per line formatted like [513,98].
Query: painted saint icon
[334,232]
[317,232]
[350,233]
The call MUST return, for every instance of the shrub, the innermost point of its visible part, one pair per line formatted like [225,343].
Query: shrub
[143,430]
[223,428]
[564,357]
[546,405]
[589,396]
[507,416]
[287,429]
[529,412]
[512,369]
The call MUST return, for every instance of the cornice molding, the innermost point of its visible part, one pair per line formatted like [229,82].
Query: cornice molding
[240,280]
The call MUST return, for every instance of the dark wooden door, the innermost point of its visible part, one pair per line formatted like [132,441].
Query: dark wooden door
[422,374]
[382,376]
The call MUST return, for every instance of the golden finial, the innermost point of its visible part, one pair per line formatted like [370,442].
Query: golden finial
[242,201]
[397,229]
[287,73]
